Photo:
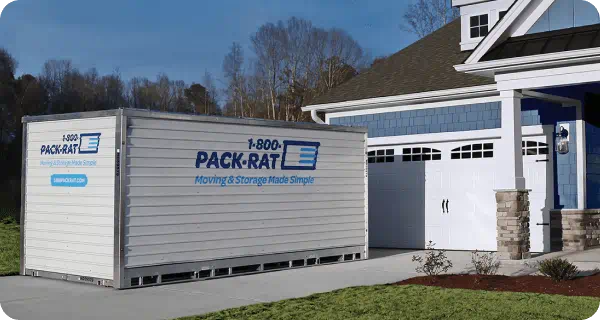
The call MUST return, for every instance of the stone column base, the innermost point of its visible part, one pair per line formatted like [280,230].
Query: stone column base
[512,214]
[575,229]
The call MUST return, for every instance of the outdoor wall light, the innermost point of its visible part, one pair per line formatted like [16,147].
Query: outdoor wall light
[562,139]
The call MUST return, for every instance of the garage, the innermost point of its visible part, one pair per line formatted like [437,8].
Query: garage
[444,192]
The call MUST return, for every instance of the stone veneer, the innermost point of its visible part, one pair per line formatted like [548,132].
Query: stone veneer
[574,230]
[512,214]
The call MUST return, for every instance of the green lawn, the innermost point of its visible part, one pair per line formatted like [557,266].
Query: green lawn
[9,249]
[416,302]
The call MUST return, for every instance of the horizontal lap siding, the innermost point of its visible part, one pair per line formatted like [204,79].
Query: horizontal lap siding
[70,229]
[170,219]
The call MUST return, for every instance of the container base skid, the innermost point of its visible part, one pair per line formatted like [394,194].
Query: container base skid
[193,271]
[69,277]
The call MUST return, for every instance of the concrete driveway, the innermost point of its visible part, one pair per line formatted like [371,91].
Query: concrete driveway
[27,298]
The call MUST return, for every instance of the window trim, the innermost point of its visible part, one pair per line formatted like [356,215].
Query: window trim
[479,26]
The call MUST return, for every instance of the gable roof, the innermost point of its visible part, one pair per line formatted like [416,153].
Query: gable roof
[578,38]
[426,65]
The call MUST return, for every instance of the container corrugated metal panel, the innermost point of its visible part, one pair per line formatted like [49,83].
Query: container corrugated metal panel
[174,216]
[69,197]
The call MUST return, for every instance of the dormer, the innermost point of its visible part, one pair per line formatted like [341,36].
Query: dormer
[477,19]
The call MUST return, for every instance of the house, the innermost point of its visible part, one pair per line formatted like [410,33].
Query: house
[484,135]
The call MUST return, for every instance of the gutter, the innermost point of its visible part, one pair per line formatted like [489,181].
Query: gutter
[315,117]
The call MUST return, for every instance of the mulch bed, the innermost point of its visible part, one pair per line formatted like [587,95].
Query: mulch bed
[583,286]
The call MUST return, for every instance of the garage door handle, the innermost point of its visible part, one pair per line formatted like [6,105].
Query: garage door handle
[542,224]
[443,203]
[545,160]
[447,202]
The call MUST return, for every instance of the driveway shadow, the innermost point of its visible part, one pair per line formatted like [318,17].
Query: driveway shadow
[377,253]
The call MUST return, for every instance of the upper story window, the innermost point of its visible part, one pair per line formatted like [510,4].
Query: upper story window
[479,26]
[502,14]
[380,156]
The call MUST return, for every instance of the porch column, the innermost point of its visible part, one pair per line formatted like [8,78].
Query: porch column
[509,151]
[581,159]
[512,199]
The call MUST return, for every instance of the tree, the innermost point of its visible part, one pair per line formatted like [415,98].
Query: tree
[196,94]
[295,61]
[267,44]
[30,96]
[211,106]
[425,16]
[8,120]
[232,70]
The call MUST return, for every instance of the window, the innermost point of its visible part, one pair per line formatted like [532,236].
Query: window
[380,156]
[502,14]
[534,148]
[421,154]
[479,26]
[473,151]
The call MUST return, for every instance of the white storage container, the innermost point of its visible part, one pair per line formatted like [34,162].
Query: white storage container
[128,198]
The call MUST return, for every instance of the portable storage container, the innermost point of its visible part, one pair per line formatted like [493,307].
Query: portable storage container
[130,198]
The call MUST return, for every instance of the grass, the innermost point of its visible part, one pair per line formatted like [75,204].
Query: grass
[416,302]
[9,247]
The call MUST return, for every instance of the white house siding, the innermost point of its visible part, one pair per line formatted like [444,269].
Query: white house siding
[69,198]
[172,219]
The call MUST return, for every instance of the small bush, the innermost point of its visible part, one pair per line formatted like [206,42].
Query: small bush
[8,220]
[558,269]
[434,263]
[485,263]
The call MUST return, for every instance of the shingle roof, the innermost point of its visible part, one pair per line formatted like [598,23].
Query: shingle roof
[547,42]
[426,65]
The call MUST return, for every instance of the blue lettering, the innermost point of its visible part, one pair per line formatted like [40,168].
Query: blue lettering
[252,160]
[236,162]
[264,162]
[64,149]
[43,149]
[224,157]
[213,161]
[201,158]
[274,157]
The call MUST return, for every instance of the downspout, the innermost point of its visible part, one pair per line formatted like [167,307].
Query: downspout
[315,117]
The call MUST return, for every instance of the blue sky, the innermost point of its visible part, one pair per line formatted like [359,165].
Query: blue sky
[179,37]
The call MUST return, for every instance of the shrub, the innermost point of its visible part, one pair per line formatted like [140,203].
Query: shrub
[434,263]
[485,263]
[558,269]
[8,220]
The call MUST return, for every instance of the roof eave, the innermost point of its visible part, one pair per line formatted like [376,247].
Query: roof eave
[548,60]
[407,99]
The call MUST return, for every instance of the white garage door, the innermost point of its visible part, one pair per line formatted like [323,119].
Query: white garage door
[439,192]
[444,192]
